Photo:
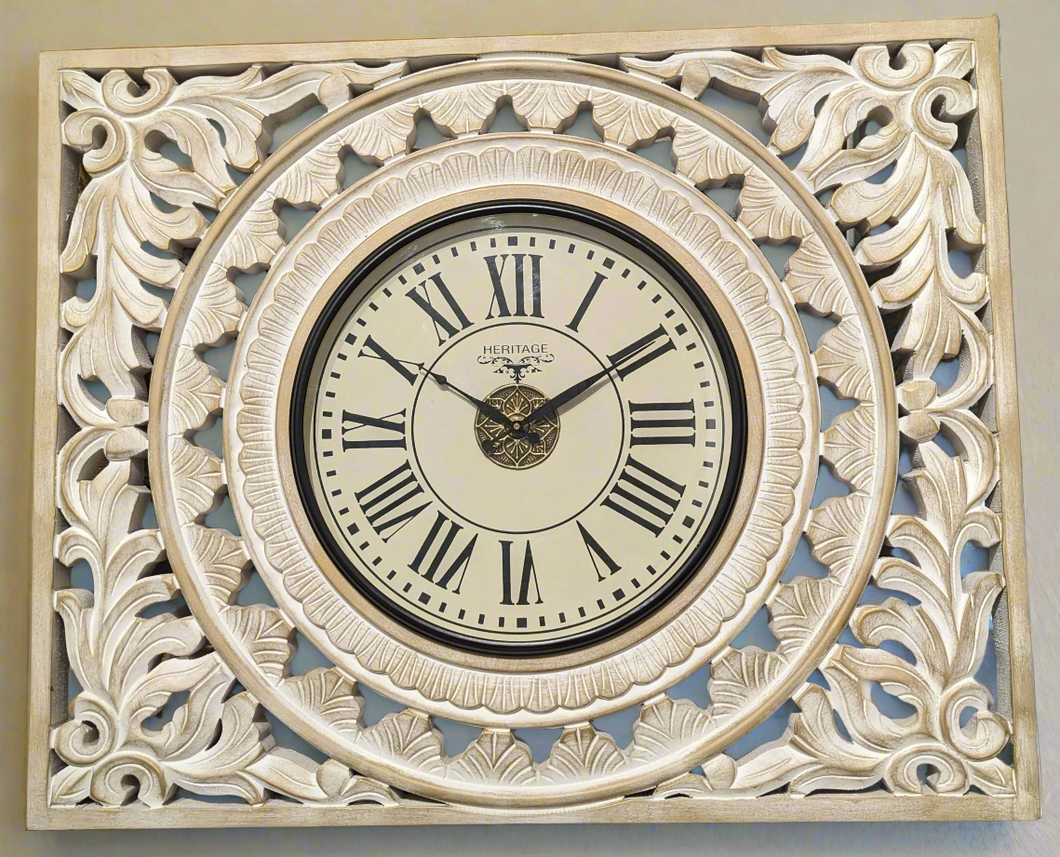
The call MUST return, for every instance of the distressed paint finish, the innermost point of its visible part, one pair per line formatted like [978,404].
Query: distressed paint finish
[129,666]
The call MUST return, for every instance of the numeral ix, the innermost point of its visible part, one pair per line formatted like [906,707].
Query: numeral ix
[391,434]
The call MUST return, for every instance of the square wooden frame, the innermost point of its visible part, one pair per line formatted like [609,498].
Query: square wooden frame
[57,195]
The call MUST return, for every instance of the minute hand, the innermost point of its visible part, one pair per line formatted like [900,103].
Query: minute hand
[576,390]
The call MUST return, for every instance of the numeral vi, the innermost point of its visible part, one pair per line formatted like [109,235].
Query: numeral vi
[527,576]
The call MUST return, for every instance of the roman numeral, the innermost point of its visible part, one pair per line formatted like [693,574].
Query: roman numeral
[646,358]
[497,272]
[423,301]
[588,299]
[597,552]
[528,574]
[391,502]
[353,438]
[380,353]
[654,423]
[459,563]
[645,496]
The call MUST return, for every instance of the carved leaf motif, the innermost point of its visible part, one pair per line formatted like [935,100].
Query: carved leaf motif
[994,777]
[128,665]
[407,737]
[839,361]
[194,724]
[69,786]
[221,768]
[217,309]
[197,390]
[265,634]
[543,107]
[836,762]
[717,777]
[329,784]
[796,610]
[496,756]
[820,101]
[463,110]
[833,532]
[223,558]
[169,677]
[316,179]
[702,158]
[767,216]
[197,477]
[388,134]
[627,121]
[665,726]
[848,445]
[258,239]
[738,676]
[814,280]
[330,695]
[114,125]
[582,753]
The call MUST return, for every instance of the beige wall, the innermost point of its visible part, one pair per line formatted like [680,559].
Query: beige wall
[1029,30]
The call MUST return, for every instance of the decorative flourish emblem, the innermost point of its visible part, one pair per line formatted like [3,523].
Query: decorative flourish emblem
[517,368]
[517,445]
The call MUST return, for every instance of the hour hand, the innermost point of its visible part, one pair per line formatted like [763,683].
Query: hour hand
[494,413]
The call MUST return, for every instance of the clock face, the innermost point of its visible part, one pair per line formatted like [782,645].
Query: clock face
[519,429]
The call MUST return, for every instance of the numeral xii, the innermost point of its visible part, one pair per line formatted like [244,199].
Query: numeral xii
[500,300]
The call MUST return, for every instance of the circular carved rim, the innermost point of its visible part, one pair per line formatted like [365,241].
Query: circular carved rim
[636,771]
[489,690]
[738,488]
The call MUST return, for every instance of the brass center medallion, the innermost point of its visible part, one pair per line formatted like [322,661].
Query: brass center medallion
[517,444]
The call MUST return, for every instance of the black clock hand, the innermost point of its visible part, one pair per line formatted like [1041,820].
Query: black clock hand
[494,413]
[575,390]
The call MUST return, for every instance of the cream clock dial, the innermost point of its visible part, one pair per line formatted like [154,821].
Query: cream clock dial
[518,429]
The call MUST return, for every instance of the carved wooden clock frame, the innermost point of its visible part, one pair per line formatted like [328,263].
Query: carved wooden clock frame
[138,260]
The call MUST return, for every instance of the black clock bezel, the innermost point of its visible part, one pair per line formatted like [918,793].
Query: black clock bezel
[515,648]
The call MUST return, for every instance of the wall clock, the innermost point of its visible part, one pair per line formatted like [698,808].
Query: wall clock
[520,437]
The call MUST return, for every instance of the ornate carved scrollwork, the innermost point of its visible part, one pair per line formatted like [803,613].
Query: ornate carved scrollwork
[899,195]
